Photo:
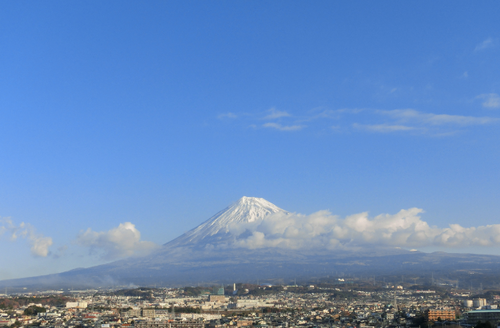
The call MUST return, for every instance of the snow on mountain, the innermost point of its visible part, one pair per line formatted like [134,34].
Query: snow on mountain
[217,228]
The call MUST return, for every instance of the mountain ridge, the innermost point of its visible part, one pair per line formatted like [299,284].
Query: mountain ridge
[210,253]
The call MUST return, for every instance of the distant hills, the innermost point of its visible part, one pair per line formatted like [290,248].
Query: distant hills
[227,248]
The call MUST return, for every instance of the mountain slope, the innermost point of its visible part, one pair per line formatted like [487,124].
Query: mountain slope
[210,253]
[218,227]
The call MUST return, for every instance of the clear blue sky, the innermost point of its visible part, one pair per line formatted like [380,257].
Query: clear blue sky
[161,113]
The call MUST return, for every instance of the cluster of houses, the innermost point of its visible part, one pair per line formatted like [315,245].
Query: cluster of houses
[314,307]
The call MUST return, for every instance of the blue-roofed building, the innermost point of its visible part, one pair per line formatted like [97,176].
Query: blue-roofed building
[493,316]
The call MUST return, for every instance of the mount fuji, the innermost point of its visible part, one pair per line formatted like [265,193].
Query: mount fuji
[218,229]
[237,244]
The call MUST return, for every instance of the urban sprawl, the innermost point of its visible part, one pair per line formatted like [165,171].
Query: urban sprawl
[344,304]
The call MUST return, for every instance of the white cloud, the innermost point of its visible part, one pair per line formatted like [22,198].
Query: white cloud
[406,120]
[491,100]
[410,120]
[378,121]
[333,113]
[322,230]
[122,241]
[414,116]
[274,114]
[383,128]
[488,43]
[39,244]
[283,127]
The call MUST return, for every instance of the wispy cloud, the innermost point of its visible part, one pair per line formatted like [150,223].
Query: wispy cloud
[490,100]
[377,121]
[384,128]
[411,115]
[39,244]
[283,127]
[274,114]
[322,230]
[122,241]
[336,114]
[488,43]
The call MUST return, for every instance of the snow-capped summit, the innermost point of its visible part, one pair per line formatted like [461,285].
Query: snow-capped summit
[246,209]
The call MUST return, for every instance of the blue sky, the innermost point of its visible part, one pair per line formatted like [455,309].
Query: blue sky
[160,114]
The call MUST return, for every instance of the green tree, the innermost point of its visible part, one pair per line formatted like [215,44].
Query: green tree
[486,324]
[34,310]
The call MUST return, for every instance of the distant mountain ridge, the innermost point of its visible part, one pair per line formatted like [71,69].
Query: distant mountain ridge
[210,253]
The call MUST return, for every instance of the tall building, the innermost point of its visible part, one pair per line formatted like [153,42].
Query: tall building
[218,291]
[217,298]
[493,316]
[148,313]
[479,302]
[468,303]
[170,324]
[439,314]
